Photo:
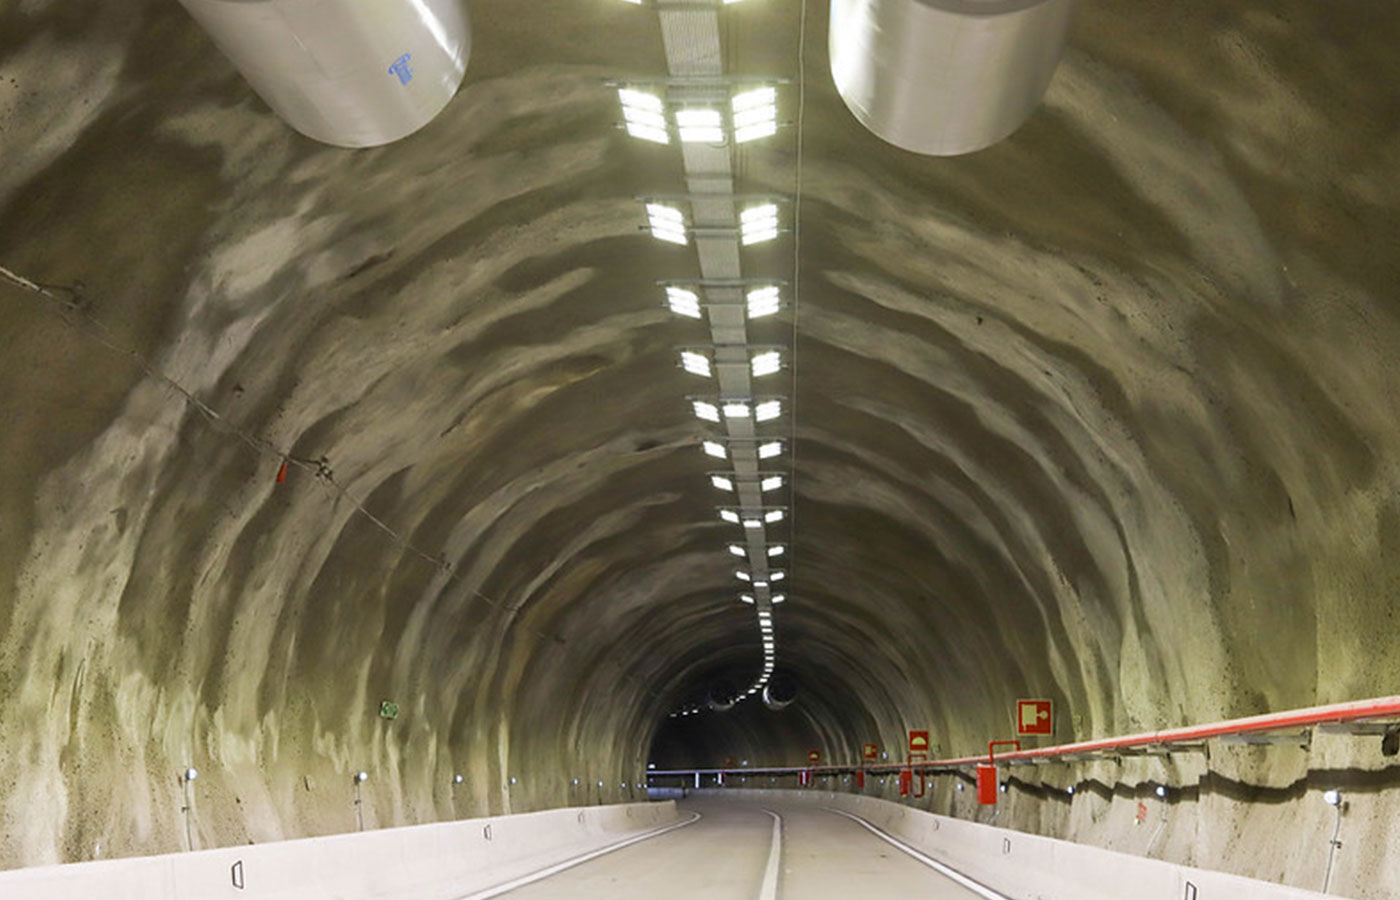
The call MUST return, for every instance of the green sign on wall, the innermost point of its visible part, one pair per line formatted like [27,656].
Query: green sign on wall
[388,709]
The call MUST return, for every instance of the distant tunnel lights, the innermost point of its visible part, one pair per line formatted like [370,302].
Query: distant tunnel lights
[776,550]
[730,516]
[771,483]
[737,550]
[766,363]
[758,224]
[683,302]
[773,515]
[696,363]
[747,598]
[762,302]
[722,483]
[768,410]
[644,114]
[770,449]
[667,223]
[705,411]
[736,411]
[743,576]
[715,449]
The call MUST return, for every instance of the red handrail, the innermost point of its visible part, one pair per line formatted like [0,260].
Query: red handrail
[1356,711]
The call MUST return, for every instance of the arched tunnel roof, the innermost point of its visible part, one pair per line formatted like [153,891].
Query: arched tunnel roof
[1105,413]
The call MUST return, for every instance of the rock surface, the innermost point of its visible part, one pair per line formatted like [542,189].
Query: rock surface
[1107,413]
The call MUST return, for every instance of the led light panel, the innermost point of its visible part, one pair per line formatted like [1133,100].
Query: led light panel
[683,302]
[766,363]
[762,302]
[696,363]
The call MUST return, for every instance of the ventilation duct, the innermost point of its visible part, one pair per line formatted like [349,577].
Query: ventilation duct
[945,77]
[779,692]
[354,73]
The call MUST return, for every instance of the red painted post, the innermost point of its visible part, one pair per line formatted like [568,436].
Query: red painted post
[986,784]
[860,779]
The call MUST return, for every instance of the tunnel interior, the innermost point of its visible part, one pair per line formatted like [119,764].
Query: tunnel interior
[1105,414]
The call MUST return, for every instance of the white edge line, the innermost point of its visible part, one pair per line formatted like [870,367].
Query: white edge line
[980,890]
[555,869]
[769,889]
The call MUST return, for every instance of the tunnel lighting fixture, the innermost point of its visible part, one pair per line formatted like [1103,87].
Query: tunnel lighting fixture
[715,449]
[1161,792]
[776,550]
[755,114]
[736,410]
[778,575]
[683,302]
[700,126]
[768,410]
[1332,797]
[457,779]
[762,584]
[737,550]
[191,773]
[778,598]
[771,483]
[762,302]
[766,363]
[753,523]
[758,224]
[1070,790]
[1003,787]
[742,575]
[644,114]
[764,614]
[706,411]
[362,777]
[747,598]
[773,515]
[696,363]
[766,627]
[512,779]
[667,223]
[722,483]
[729,516]
[770,449]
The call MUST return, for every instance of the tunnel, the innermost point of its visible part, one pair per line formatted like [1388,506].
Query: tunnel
[319,461]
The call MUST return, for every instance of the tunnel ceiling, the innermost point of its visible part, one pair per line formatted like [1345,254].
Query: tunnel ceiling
[1105,413]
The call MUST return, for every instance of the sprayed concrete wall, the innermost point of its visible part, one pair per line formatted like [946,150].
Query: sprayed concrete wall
[1105,413]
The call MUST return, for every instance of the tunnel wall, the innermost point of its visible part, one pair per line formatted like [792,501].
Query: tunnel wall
[1106,413]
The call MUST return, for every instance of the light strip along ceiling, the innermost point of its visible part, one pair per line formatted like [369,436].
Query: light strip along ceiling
[707,114]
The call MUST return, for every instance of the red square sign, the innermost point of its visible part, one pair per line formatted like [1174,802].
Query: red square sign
[814,756]
[918,742]
[870,751]
[1035,717]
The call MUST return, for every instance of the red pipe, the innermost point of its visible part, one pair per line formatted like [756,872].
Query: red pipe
[1356,711]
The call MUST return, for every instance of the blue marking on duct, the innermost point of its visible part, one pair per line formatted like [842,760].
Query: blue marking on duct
[402,69]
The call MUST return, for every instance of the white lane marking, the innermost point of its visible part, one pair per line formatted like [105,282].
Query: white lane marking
[980,890]
[577,860]
[769,889]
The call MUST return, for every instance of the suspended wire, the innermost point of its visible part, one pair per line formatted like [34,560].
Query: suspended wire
[797,270]
[97,331]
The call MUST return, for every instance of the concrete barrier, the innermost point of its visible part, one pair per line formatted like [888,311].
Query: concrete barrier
[1031,867]
[425,862]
